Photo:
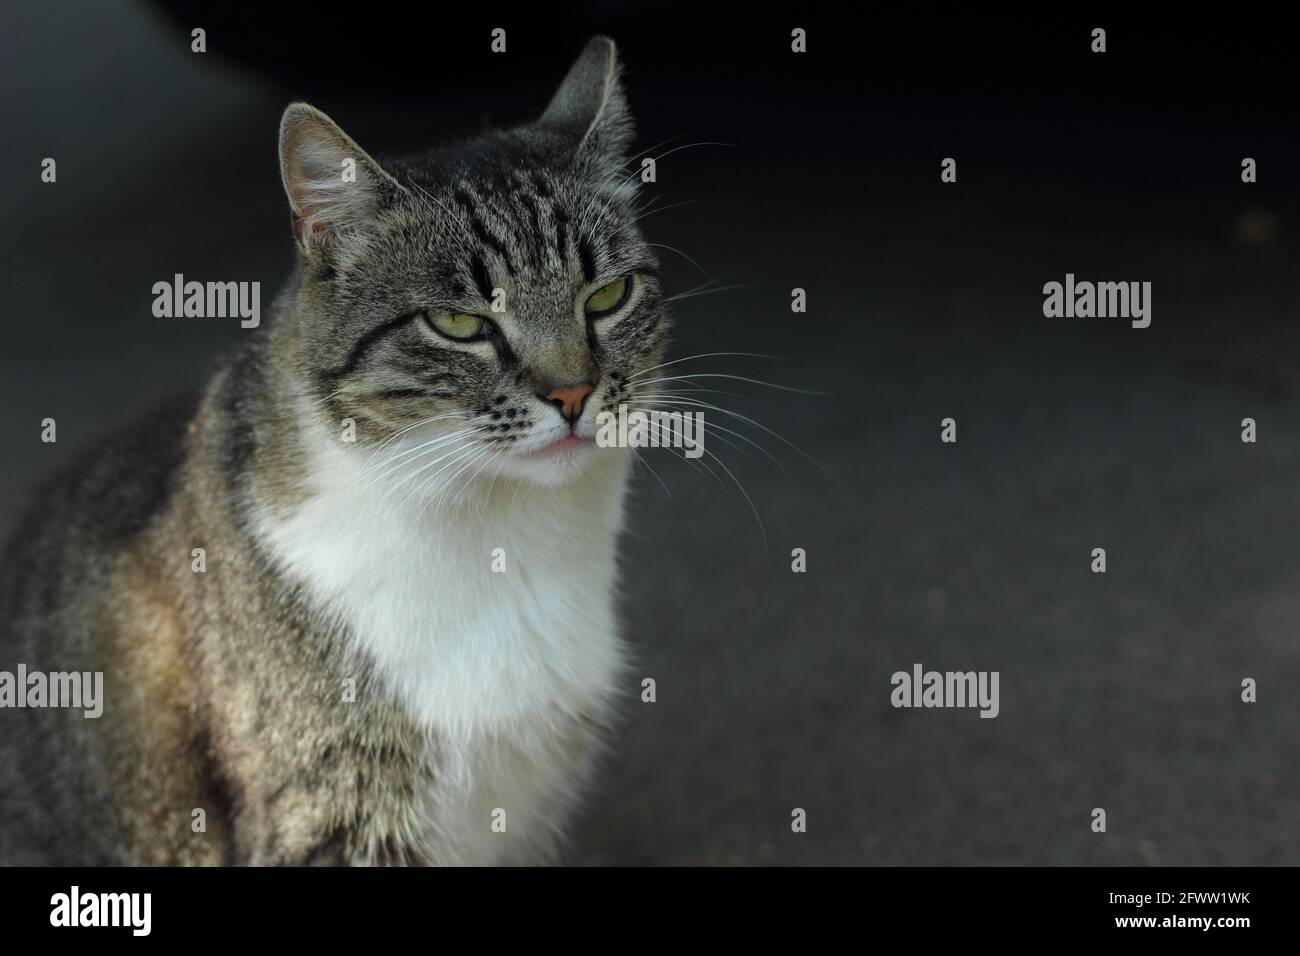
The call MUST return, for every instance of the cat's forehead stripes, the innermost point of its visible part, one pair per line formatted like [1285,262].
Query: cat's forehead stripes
[527,226]
[471,209]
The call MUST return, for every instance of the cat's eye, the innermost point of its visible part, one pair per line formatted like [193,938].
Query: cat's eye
[454,325]
[608,298]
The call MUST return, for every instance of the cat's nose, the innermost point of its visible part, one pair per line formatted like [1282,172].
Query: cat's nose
[569,399]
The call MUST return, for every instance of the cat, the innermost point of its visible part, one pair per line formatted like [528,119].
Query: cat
[355,603]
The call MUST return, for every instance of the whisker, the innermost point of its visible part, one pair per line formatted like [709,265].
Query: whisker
[661,245]
[700,463]
[456,456]
[715,427]
[694,293]
[738,378]
[402,431]
[321,402]
[662,142]
[446,495]
[721,464]
[683,391]
[443,494]
[468,424]
[458,440]
[583,219]
[650,212]
[691,358]
[678,149]
[641,459]
[416,453]
[759,425]
[487,496]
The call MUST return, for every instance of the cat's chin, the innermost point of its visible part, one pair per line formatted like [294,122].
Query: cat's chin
[555,464]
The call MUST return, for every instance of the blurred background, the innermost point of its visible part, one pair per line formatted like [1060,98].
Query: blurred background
[1119,690]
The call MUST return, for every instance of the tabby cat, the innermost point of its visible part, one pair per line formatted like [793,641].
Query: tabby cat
[355,603]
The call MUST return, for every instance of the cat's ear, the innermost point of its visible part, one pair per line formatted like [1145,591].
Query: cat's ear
[590,109]
[333,185]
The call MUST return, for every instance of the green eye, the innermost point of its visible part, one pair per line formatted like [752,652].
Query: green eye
[608,298]
[457,326]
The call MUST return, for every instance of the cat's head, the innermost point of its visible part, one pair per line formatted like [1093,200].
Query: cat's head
[474,308]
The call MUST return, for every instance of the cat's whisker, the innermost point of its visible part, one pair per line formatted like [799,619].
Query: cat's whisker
[456,457]
[640,209]
[650,212]
[642,460]
[481,453]
[391,490]
[704,290]
[484,466]
[691,358]
[759,425]
[487,496]
[636,170]
[583,219]
[402,431]
[455,442]
[721,464]
[447,494]
[393,463]
[738,378]
[681,391]
[415,450]
[598,192]
[316,403]
[715,427]
[435,442]
[636,160]
[664,245]
[699,463]
[678,149]
[665,432]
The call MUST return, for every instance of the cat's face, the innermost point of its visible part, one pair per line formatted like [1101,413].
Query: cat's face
[475,309]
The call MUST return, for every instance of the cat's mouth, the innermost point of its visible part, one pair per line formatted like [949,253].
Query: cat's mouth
[559,446]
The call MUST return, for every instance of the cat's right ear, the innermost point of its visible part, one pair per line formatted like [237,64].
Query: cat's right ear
[334,186]
[591,110]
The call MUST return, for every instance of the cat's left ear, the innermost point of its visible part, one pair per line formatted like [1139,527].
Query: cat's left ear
[590,109]
[333,185]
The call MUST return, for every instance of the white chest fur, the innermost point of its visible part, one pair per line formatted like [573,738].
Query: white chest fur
[491,620]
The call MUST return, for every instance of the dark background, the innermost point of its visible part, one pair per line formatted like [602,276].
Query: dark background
[1118,691]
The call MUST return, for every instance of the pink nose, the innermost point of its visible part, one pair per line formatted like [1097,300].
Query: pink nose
[569,399]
